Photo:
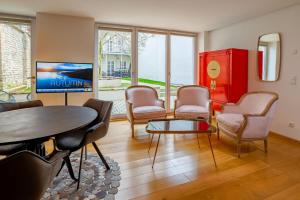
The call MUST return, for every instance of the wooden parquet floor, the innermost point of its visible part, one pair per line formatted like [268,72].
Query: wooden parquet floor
[184,171]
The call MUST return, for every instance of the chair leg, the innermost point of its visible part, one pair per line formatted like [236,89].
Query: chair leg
[62,165]
[266,145]
[101,156]
[69,166]
[218,132]
[132,129]
[80,164]
[197,140]
[85,151]
[239,149]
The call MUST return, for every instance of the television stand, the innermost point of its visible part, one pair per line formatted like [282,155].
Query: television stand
[66,98]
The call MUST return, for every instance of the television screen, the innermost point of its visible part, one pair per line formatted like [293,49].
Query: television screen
[64,77]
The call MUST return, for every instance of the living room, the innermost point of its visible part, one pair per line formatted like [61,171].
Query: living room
[149,100]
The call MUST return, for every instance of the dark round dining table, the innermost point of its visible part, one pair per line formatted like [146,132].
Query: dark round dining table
[39,124]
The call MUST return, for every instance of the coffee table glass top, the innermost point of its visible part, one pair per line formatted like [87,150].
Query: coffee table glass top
[179,126]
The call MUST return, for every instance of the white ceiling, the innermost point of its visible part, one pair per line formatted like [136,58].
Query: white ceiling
[188,15]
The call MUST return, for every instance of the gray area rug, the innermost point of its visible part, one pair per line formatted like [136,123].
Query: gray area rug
[95,183]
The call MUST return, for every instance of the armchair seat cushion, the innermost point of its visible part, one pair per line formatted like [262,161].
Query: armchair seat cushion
[191,111]
[148,112]
[230,122]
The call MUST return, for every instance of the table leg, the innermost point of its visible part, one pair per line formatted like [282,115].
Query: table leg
[198,140]
[150,143]
[212,152]
[156,150]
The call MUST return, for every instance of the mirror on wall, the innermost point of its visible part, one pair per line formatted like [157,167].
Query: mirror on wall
[269,57]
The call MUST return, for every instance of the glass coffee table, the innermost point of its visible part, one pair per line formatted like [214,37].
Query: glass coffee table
[180,126]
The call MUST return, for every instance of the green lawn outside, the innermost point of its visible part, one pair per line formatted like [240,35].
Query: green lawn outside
[149,81]
[19,89]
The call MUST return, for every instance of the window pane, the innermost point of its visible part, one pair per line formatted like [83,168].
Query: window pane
[152,61]
[15,61]
[182,63]
[114,60]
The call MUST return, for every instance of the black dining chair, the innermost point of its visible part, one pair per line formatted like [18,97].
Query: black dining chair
[20,105]
[78,139]
[25,175]
[13,148]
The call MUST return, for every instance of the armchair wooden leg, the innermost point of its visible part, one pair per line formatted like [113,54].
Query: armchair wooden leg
[239,149]
[218,132]
[197,140]
[132,129]
[266,145]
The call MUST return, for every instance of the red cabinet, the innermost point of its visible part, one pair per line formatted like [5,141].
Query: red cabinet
[225,73]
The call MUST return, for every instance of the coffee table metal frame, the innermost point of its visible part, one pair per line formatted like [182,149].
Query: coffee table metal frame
[211,130]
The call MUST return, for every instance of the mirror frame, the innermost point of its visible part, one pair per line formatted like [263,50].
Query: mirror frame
[257,64]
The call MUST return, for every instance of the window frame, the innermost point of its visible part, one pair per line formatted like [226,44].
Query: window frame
[30,21]
[134,50]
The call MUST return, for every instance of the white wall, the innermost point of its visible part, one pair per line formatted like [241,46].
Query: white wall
[203,41]
[64,39]
[245,35]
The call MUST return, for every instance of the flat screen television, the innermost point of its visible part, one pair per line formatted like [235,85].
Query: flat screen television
[63,77]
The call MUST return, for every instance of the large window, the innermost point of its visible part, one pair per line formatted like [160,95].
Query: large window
[114,61]
[162,59]
[152,61]
[15,61]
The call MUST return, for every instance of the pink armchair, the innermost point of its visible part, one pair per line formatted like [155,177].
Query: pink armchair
[193,101]
[249,119]
[142,104]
